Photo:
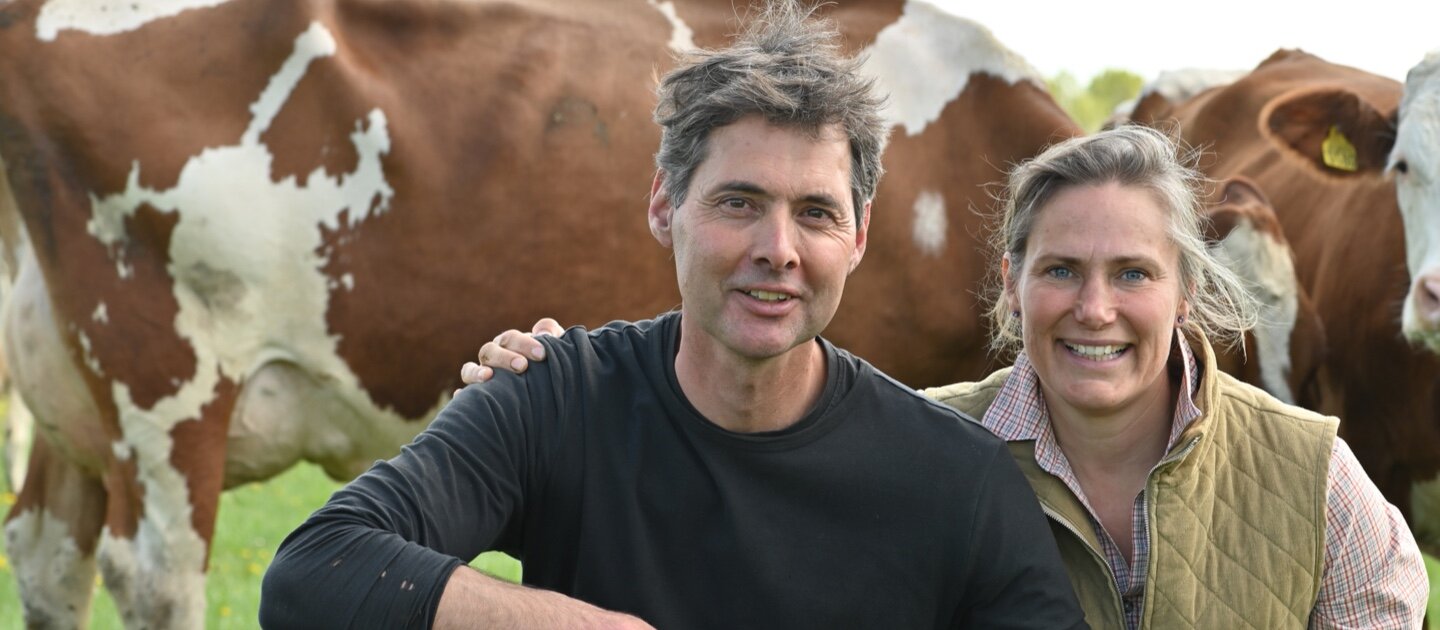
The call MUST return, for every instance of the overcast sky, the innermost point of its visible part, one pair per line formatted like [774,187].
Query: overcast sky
[1386,37]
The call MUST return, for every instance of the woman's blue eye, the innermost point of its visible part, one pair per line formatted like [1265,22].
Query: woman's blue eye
[1059,273]
[1133,275]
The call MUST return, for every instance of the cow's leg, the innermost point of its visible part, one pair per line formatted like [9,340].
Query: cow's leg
[19,440]
[165,492]
[50,535]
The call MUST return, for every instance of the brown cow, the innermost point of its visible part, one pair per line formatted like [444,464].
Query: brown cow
[254,227]
[1316,137]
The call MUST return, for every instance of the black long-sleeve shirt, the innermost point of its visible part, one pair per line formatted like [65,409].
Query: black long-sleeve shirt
[879,508]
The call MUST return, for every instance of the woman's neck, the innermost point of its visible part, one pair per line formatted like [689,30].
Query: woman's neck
[1124,444]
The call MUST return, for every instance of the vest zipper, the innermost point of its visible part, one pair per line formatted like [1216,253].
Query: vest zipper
[1094,555]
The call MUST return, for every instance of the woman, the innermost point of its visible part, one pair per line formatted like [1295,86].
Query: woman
[1179,496]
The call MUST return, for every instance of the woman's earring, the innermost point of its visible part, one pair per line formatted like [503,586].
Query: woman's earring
[1180,321]
[1014,313]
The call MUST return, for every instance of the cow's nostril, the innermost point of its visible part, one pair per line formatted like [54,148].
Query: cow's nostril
[1429,299]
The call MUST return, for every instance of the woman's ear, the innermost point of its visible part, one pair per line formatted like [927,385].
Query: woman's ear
[1011,292]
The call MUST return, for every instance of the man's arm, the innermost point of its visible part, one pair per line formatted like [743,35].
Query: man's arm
[1016,577]
[385,550]
[473,599]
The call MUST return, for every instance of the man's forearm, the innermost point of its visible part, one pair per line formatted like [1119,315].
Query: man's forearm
[472,599]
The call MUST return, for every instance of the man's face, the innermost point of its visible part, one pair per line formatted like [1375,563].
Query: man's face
[764,239]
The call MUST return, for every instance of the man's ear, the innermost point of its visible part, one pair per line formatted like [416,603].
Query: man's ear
[660,211]
[862,236]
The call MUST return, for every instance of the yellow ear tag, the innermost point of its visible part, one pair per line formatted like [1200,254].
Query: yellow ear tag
[1337,151]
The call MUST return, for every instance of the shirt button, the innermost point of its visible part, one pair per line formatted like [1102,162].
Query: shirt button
[1129,606]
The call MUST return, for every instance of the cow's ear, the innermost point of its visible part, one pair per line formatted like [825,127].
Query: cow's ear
[1238,197]
[1332,129]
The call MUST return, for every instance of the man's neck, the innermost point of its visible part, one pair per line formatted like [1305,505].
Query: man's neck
[747,396]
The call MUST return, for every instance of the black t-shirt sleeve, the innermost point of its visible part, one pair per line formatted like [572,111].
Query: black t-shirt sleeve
[380,552]
[1016,577]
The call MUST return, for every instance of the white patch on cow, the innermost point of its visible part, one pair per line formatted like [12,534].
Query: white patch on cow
[157,570]
[19,438]
[1417,144]
[56,578]
[122,450]
[924,60]
[1269,271]
[44,371]
[1185,83]
[682,38]
[88,356]
[101,315]
[108,17]
[348,281]
[930,223]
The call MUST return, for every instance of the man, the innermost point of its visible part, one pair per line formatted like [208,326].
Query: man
[721,466]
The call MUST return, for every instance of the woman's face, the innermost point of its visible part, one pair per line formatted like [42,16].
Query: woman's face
[1099,295]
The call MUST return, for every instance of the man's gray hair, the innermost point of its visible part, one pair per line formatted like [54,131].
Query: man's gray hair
[1141,157]
[787,67]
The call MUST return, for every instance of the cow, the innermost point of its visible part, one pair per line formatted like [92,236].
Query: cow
[1318,137]
[1416,166]
[1282,353]
[260,231]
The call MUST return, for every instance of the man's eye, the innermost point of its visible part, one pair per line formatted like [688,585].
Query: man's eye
[1060,273]
[1133,275]
[818,213]
[734,202]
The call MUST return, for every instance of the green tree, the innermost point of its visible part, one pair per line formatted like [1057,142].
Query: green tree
[1092,105]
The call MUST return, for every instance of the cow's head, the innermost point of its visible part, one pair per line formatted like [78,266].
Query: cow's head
[1415,164]
[1344,135]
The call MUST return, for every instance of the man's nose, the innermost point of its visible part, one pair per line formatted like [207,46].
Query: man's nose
[775,243]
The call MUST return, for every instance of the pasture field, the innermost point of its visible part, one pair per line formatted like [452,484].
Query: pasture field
[253,521]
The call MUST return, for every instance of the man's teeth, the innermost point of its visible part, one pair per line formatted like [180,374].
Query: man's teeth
[1098,353]
[768,296]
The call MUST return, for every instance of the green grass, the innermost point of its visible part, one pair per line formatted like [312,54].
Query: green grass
[253,521]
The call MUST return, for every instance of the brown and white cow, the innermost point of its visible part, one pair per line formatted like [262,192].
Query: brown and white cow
[260,231]
[1282,353]
[1317,138]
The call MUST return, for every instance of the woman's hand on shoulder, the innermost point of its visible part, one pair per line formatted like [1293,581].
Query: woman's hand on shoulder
[511,350]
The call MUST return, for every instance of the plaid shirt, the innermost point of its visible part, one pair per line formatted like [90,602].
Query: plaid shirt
[1374,575]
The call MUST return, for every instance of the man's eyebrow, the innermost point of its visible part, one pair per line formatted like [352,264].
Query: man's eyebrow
[740,186]
[751,188]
